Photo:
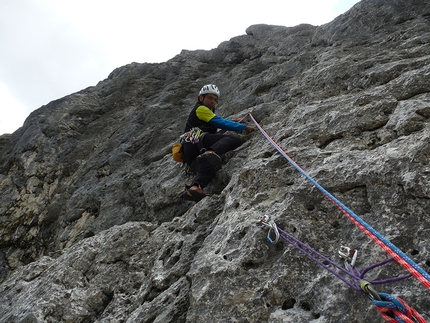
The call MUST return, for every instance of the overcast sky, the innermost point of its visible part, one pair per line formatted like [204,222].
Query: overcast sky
[52,48]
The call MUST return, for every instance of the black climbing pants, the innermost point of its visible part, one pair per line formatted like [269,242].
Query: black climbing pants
[219,143]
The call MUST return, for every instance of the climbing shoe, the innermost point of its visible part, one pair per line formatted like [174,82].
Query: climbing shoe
[195,195]
[211,157]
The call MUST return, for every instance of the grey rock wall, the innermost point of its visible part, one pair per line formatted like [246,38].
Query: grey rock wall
[92,226]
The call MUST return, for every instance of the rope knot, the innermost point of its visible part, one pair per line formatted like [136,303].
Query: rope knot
[395,309]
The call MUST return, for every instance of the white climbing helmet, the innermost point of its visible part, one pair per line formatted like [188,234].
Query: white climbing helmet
[210,88]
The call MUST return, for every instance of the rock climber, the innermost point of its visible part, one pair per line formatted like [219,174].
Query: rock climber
[204,156]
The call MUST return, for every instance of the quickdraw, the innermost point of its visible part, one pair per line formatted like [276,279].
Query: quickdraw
[265,220]
[420,274]
[193,136]
[391,308]
[350,255]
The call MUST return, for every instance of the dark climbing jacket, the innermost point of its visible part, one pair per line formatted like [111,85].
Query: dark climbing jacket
[205,119]
[194,121]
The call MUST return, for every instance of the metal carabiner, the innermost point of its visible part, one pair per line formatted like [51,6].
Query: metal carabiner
[265,220]
[273,228]
[350,255]
[370,290]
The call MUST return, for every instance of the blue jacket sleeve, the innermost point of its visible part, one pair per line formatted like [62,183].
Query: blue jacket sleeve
[226,124]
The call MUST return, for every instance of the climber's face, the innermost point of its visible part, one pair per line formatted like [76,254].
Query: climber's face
[210,100]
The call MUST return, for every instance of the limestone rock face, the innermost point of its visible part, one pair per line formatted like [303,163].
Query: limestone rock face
[92,225]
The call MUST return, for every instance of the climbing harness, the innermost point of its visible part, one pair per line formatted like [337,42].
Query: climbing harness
[391,308]
[193,136]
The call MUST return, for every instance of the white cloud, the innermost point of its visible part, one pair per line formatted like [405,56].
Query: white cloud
[52,48]
[12,112]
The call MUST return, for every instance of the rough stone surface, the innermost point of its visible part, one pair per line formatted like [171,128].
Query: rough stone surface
[92,227]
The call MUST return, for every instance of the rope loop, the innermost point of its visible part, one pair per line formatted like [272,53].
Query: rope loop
[273,228]
[394,310]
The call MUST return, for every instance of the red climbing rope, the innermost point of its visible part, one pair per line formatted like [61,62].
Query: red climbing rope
[392,309]
[398,255]
[395,310]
